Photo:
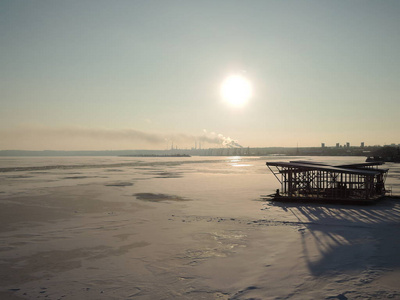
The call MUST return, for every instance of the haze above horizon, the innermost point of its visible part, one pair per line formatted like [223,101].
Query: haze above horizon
[98,75]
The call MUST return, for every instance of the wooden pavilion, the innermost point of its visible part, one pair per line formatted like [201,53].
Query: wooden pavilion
[304,180]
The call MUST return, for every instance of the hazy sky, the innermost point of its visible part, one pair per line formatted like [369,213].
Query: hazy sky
[87,75]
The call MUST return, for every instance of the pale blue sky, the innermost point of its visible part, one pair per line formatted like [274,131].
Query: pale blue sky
[75,72]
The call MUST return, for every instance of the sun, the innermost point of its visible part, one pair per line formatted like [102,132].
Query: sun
[236,90]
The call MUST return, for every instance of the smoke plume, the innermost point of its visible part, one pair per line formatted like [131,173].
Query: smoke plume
[219,139]
[73,138]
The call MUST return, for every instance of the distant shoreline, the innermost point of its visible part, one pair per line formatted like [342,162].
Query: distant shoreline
[155,155]
[244,151]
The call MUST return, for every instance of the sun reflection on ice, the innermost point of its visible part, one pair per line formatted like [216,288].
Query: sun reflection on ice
[235,161]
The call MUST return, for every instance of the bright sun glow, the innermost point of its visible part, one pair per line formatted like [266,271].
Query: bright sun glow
[236,90]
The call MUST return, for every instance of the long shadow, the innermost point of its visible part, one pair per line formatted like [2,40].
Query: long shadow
[344,238]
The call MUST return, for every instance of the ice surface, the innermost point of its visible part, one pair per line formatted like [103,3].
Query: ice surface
[185,228]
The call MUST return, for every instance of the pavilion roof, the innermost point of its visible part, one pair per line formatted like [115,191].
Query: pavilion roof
[358,169]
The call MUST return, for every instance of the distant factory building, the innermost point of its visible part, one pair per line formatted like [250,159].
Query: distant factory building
[347,145]
[337,145]
[322,145]
[362,144]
